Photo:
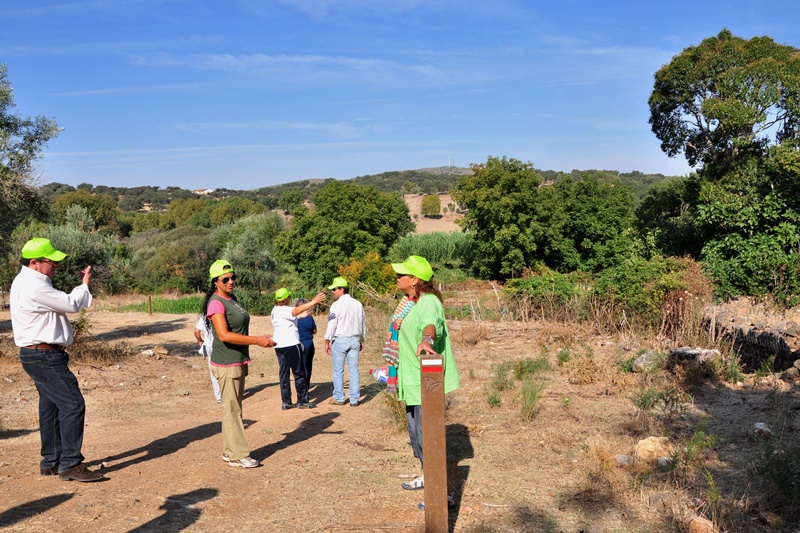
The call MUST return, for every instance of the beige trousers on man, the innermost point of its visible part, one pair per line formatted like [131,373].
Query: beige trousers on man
[231,386]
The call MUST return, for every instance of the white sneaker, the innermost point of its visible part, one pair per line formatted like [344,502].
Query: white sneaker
[417,484]
[245,462]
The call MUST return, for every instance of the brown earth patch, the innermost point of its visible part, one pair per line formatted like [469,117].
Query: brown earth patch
[154,427]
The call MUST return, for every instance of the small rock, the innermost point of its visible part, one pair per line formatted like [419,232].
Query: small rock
[160,350]
[763,430]
[195,367]
[148,353]
[796,363]
[8,379]
[624,460]
[184,392]
[662,502]
[664,462]
[773,519]
[650,449]
[646,361]
[791,374]
[698,524]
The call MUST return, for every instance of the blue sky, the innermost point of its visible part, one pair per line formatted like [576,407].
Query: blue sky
[245,93]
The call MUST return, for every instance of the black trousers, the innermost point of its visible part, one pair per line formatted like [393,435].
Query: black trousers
[291,358]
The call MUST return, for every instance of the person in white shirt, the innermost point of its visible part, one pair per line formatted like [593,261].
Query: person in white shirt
[344,340]
[204,333]
[289,349]
[43,332]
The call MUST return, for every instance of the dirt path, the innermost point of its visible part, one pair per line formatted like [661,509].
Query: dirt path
[153,425]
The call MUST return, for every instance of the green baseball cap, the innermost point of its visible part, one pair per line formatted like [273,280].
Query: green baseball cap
[338,281]
[220,267]
[39,247]
[415,266]
[282,294]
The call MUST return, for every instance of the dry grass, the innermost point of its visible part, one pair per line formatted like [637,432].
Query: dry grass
[554,471]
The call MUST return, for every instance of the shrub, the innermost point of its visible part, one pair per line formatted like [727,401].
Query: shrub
[89,348]
[663,293]
[530,367]
[532,388]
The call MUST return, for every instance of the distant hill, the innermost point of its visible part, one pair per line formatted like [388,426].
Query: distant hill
[432,180]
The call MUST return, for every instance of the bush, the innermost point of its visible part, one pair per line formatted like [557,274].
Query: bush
[546,293]
[663,293]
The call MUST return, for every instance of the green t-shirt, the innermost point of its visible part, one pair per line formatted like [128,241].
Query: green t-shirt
[227,354]
[428,310]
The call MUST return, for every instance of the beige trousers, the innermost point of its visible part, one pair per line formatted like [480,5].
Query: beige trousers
[231,386]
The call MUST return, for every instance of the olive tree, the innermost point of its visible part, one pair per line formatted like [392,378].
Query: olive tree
[22,140]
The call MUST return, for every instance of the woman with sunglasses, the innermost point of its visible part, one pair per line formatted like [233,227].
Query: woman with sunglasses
[230,356]
[423,329]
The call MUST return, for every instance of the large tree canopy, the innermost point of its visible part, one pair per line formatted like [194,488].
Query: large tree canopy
[727,96]
[21,143]
[347,222]
[515,223]
[733,107]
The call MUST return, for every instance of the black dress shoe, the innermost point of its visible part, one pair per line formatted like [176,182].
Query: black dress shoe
[49,471]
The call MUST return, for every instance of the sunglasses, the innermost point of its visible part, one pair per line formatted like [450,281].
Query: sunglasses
[398,276]
[54,263]
[227,279]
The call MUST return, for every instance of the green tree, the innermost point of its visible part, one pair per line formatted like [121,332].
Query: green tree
[346,223]
[501,197]
[181,210]
[431,205]
[516,224]
[22,140]
[726,96]
[79,240]
[290,199]
[732,107]
[101,207]
[234,208]
[173,259]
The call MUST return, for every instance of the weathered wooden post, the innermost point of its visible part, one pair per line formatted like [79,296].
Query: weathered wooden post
[149,304]
[433,443]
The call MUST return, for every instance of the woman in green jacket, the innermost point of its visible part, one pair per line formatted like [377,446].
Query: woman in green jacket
[423,329]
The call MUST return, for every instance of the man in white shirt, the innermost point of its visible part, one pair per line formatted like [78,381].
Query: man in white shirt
[344,339]
[43,332]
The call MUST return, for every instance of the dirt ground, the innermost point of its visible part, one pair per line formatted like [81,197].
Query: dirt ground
[153,427]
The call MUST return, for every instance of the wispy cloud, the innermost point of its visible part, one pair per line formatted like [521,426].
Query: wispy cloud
[341,129]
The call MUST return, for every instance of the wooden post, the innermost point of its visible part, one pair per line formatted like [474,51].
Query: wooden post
[433,443]
[149,304]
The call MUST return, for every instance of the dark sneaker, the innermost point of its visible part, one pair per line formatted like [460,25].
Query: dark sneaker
[306,405]
[286,406]
[354,404]
[49,471]
[79,472]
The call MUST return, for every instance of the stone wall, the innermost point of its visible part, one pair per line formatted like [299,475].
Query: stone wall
[756,332]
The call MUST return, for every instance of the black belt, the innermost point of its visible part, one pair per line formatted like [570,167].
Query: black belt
[56,347]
